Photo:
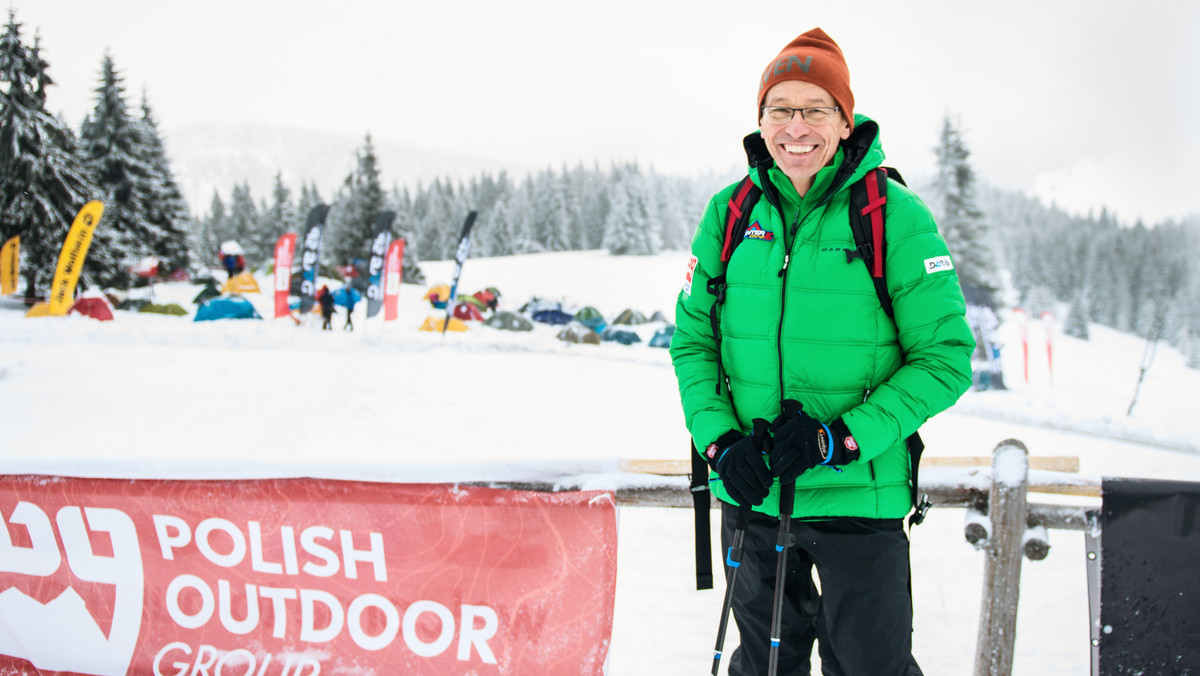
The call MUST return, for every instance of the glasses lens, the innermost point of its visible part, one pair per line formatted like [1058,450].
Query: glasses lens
[816,115]
[777,115]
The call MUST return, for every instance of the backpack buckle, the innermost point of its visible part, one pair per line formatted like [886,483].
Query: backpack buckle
[864,252]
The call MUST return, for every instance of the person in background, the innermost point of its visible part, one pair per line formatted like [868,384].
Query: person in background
[325,298]
[804,384]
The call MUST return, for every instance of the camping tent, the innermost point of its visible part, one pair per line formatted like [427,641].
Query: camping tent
[438,295]
[536,305]
[468,312]
[435,324]
[630,317]
[210,290]
[662,338]
[578,333]
[552,317]
[619,336]
[490,297]
[658,317]
[226,307]
[166,309]
[508,321]
[591,317]
[243,283]
[94,307]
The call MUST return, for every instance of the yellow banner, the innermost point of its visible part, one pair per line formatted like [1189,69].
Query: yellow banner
[70,260]
[10,263]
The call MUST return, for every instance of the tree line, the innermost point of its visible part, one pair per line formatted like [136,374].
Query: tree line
[1007,248]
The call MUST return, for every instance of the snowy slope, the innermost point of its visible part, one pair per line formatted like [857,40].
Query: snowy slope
[148,395]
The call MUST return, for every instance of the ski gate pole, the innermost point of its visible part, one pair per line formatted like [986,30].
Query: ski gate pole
[787,497]
[733,560]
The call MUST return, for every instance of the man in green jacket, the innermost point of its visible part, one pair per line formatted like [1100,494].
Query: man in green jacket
[808,381]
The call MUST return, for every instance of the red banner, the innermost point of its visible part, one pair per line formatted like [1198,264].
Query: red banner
[392,278]
[300,577]
[285,250]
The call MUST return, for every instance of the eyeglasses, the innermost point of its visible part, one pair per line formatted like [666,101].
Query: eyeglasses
[783,114]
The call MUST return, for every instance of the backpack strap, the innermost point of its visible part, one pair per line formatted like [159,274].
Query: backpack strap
[737,219]
[702,504]
[868,202]
[868,206]
[741,203]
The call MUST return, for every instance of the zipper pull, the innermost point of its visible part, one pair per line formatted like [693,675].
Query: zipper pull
[786,258]
[866,395]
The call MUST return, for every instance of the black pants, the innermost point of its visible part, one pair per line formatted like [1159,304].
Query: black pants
[862,617]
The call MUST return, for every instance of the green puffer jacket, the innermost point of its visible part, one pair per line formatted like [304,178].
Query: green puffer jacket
[812,329]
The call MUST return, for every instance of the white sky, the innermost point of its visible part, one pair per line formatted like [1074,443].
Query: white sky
[1086,102]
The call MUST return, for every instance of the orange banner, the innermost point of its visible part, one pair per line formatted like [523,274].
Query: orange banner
[301,577]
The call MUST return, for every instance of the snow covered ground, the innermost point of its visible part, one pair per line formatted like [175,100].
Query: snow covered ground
[158,396]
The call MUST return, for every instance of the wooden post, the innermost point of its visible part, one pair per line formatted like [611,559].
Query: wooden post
[1002,560]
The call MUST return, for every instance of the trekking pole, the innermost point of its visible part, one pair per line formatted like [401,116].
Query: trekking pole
[733,559]
[787,497]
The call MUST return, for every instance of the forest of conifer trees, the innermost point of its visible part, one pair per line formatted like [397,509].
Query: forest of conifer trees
[1139,278]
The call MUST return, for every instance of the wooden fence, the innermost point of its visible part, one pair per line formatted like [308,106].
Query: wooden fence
[1000,521]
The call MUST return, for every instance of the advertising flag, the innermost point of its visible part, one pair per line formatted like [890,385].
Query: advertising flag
[10,263]
[310,261]
[285,251]
[379,247]
[464,246]
[70,259]
[392,279]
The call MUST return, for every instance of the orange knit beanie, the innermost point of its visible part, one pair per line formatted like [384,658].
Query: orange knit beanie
[812,57]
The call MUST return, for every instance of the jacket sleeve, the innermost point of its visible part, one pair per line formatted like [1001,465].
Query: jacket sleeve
[707,410]
[931,326]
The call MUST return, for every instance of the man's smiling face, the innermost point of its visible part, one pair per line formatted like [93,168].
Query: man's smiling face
[801,150]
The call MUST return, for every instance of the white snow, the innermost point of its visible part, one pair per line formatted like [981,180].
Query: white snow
[158,396]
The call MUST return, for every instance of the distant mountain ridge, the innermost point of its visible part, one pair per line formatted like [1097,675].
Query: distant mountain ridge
[215,156]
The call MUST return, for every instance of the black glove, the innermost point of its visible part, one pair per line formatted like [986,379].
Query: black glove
[802,442]
[738,459]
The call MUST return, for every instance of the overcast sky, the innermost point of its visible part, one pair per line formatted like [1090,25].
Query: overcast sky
[1084,102]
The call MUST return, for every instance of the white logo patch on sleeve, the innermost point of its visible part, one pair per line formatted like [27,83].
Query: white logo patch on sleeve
[938,264]
[691,272]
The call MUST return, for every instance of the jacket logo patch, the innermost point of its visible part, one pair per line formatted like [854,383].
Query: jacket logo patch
[755,231]
[938,264]
[691,272]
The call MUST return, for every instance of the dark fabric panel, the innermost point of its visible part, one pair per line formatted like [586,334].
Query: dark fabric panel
[1150,578]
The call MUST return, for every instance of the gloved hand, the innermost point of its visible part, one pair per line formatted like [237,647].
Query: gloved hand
[739,460]
[801,442]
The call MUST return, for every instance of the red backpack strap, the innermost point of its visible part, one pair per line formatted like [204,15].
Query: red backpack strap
[741,203]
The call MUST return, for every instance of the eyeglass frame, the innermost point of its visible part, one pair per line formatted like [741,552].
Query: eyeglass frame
[828,110]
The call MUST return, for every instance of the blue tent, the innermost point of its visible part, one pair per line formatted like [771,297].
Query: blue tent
[553,317]
[346,296]
[662,338]
[226,307]
[622,337]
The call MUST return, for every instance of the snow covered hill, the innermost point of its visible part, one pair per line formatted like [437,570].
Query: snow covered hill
[150,395]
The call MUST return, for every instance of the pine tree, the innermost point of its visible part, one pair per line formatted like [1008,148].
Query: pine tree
[1077,317]
[274,219]
[163,203]
[242,223]
[42,185]
[116,156]
[959,218]
[352,222]
[630,229]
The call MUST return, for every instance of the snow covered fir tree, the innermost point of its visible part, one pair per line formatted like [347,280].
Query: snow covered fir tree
[42,180]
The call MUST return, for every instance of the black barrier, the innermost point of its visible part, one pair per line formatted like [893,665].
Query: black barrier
[1150,578]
